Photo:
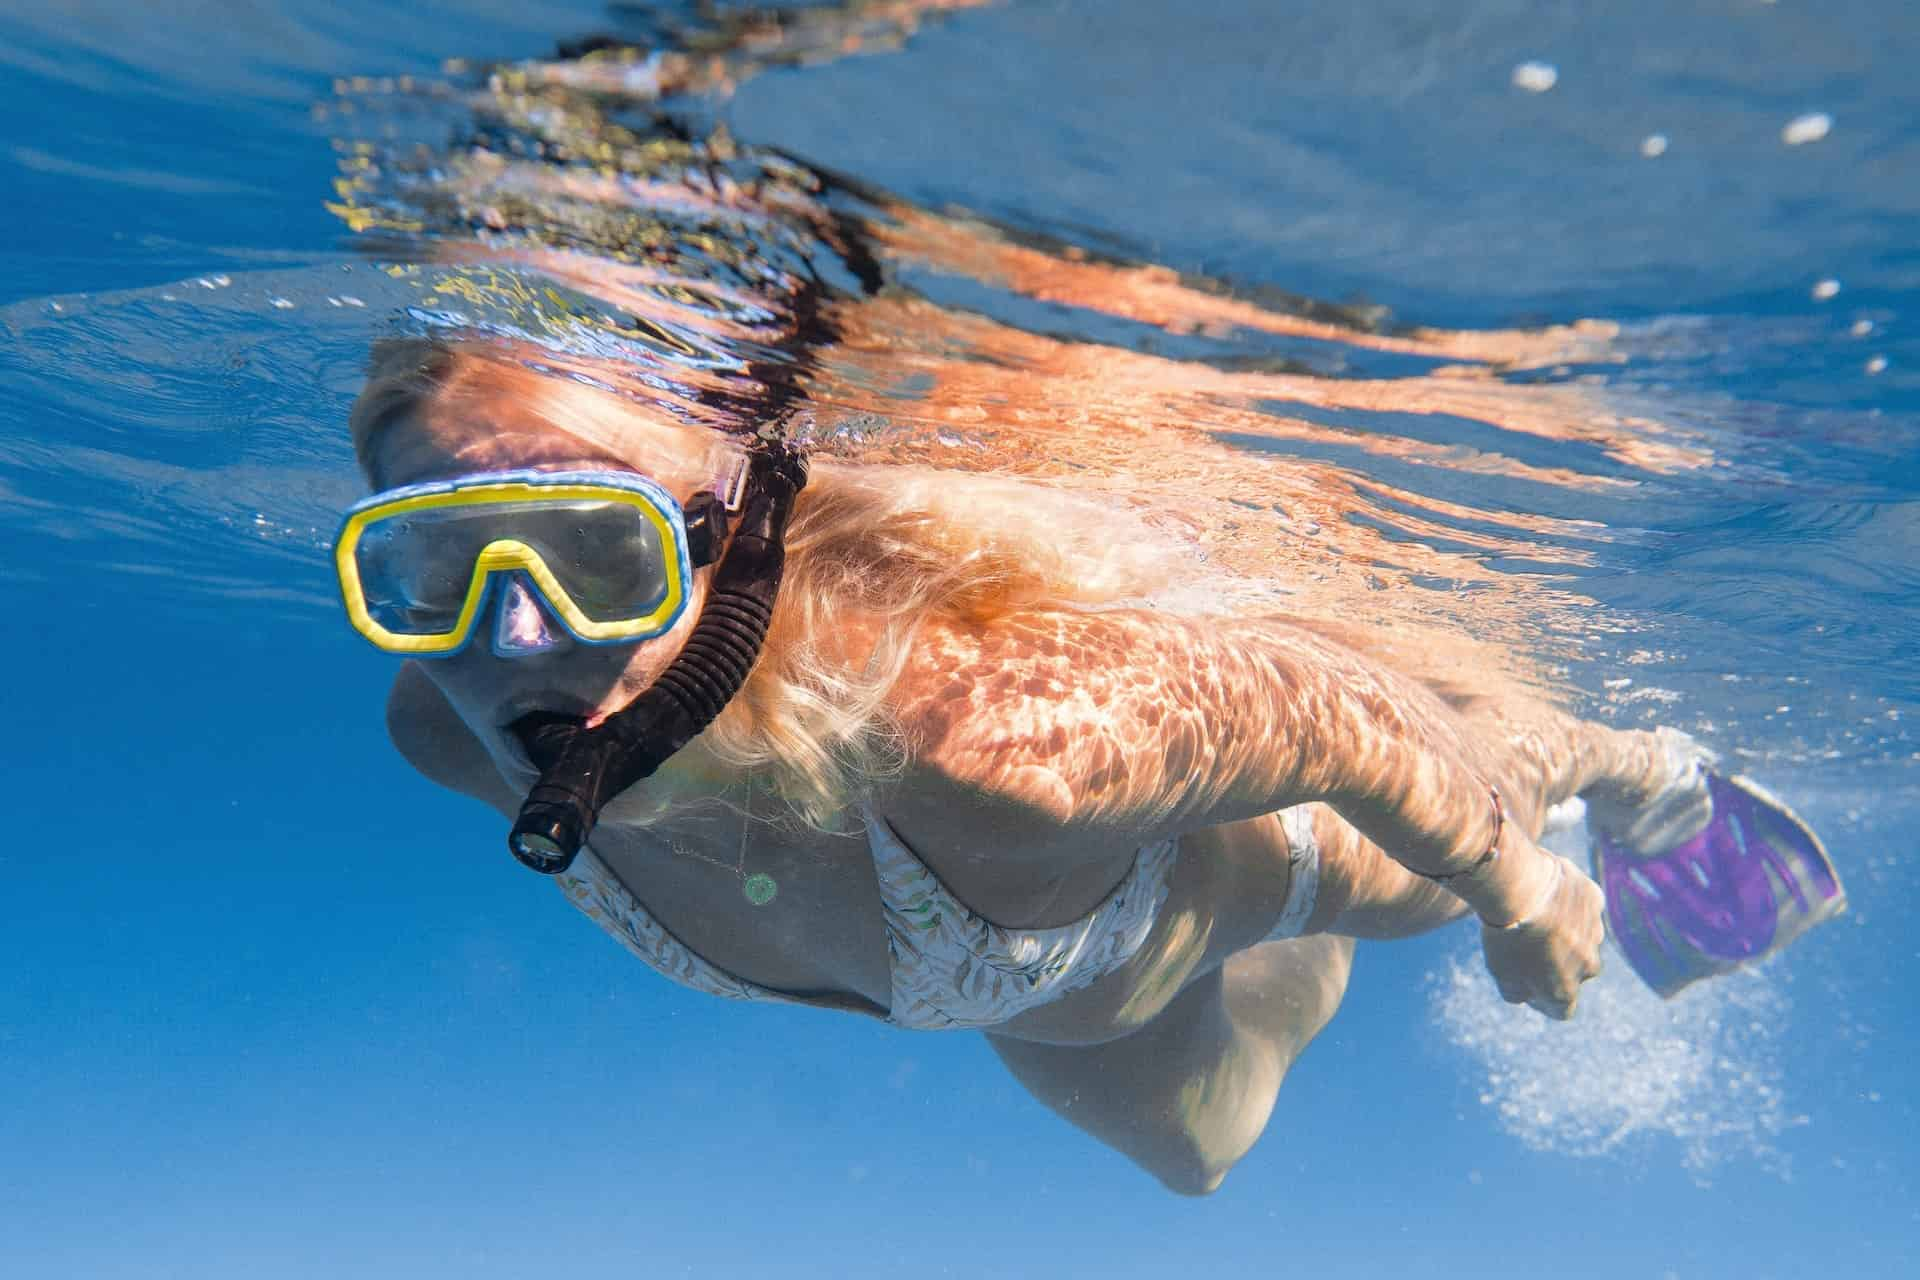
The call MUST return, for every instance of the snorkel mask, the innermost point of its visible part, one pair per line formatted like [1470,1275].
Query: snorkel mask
[612,556]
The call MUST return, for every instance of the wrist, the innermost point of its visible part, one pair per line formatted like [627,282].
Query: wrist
[1542,902]
[1527,881]
[1480,865]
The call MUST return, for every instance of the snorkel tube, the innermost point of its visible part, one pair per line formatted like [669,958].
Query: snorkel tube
[583,769]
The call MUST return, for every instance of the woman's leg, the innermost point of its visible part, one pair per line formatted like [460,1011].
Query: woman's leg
[1186,1095]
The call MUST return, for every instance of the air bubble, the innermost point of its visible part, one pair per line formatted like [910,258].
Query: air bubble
[1811,127]
[1536,77]
[1700,1072]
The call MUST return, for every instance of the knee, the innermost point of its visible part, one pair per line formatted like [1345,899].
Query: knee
[1198,1176]
[1216,1121]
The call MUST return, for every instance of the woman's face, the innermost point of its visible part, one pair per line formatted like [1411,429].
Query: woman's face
[489,691]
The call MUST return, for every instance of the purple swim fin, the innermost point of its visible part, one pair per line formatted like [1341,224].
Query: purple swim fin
[1751,881]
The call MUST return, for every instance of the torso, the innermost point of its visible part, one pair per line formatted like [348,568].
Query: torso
[825,933]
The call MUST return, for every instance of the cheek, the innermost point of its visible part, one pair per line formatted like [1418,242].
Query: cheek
[461,682]
[657,654]
[646,660]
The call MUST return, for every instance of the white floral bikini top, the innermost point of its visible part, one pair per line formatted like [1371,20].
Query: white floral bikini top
[951,969]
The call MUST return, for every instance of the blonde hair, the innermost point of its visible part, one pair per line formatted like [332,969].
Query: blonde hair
[892,548]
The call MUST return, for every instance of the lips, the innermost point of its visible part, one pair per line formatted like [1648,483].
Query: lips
[547,701]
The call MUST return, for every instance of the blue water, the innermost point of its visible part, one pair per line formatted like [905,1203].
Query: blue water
[272,1005]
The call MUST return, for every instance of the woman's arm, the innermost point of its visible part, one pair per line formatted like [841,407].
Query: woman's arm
[1064,731]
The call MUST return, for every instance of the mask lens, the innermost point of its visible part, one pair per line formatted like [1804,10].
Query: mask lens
[607,555]
[413,578]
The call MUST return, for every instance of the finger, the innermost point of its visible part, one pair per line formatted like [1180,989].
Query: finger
[1514,988]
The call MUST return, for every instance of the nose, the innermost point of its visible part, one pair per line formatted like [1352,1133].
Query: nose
[521,625]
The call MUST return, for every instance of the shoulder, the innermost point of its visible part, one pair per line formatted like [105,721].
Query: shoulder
[1061,724]
[1060,662]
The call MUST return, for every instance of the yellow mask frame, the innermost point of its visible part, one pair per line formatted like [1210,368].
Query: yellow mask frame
[508,555]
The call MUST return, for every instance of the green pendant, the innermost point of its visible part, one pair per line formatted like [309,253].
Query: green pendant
[759,888]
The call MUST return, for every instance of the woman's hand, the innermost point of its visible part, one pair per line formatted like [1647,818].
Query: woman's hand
[1542,959]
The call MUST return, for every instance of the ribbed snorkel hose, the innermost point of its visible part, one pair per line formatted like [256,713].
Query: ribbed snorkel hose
[583,769]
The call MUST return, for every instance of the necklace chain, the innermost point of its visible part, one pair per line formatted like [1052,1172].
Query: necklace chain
[759,887]
[746,825]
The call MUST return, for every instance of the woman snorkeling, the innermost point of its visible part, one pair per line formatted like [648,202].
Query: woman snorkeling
[953,749]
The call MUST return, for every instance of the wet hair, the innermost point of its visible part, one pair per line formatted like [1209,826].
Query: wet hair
[401,372]
[897,547]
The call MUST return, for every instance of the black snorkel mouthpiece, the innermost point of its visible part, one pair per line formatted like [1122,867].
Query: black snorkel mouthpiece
[583,769]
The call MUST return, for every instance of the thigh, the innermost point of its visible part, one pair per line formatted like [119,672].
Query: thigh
[1187,1094]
